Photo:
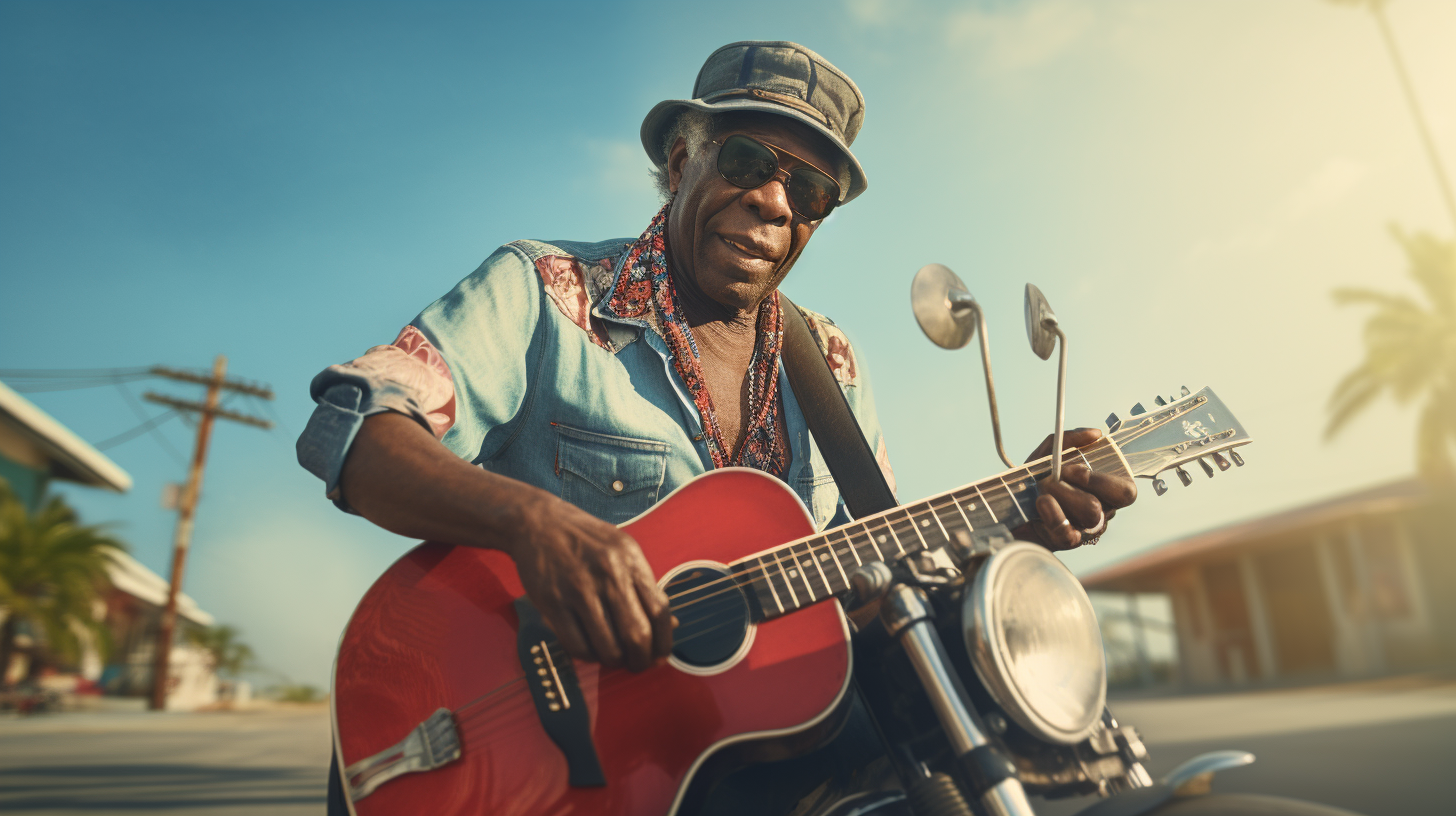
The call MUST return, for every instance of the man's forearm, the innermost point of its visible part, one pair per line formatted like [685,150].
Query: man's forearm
[400,477]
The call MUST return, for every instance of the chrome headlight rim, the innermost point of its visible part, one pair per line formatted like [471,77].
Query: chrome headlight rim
[988,654]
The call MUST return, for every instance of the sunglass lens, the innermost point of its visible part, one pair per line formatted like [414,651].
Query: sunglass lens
[812,193]
[746,163]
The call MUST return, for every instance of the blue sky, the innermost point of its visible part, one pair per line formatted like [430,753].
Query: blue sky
[289,183]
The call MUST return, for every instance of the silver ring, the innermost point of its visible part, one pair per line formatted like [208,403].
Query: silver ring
[1097,529]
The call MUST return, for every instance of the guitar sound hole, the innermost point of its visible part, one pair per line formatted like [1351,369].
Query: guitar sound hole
[712,616]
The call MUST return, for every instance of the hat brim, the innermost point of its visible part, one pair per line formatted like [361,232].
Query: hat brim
[662,115]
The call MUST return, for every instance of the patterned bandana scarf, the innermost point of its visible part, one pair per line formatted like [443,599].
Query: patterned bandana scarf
[645,289]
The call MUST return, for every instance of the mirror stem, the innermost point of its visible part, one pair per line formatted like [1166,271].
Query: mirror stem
[1051,325]
[991,390]
[965,303]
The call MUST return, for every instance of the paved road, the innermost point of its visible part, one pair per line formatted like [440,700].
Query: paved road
[271,763]
[1384,748]
[1381,749]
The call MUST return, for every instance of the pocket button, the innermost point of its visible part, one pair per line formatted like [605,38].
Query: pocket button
[617,486]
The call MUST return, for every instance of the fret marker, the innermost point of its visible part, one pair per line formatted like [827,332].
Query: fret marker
[793,573]
[808,562]
[823,556]
[925,522]
[882,538]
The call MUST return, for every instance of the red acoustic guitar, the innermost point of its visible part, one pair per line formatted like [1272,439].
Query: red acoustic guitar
[452,697]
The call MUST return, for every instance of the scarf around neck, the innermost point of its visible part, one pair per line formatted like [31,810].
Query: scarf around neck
[645,290]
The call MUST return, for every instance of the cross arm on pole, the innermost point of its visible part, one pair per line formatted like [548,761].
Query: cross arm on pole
[202,408]
[252,389]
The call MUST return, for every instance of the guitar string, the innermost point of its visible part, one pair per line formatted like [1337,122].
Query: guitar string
[837,549]
[929,509]
[1105,450]
[881,521]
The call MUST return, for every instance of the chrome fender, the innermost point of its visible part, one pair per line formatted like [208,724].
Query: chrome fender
[1192,778]
[1195,776]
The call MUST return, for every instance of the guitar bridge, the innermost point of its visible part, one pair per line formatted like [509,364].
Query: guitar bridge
[431,744]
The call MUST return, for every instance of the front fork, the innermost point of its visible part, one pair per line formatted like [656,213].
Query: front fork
[987,771]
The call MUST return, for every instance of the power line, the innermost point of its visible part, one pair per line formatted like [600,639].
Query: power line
[161,439]
[277,419]
[43,385]
[36,380]
[127,436]
[73,373]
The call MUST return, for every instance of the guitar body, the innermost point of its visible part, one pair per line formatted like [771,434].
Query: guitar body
[439,630]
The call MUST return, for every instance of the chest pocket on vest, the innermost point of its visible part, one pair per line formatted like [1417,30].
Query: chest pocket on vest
[612,477]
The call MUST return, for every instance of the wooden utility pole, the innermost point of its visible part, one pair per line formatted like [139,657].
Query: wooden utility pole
[187,506]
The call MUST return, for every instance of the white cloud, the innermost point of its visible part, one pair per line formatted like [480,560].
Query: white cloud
[1332,183]
[873,12]
[1020,39]
[622,166]
[1322,190]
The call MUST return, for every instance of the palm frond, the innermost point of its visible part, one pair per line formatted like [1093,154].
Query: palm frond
[1354,393]
[1347,296]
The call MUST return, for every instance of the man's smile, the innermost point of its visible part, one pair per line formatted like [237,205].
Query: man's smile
[747,248]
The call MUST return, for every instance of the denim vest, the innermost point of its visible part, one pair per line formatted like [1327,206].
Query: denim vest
[604,422]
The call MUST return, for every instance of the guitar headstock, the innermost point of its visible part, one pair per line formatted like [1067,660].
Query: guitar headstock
[1193,427]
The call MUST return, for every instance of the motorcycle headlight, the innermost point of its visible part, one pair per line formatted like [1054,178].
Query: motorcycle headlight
[1034,641]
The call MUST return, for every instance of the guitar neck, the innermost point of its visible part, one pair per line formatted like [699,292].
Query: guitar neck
[813,569]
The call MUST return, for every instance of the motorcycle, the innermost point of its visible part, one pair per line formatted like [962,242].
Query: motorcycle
[986,684]
[983,673]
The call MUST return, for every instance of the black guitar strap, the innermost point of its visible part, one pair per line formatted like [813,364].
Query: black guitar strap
[840,440]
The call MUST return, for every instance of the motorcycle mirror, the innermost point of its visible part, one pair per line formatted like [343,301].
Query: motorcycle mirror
[1041,323]
[944,308]
[1043,331]
[950,317]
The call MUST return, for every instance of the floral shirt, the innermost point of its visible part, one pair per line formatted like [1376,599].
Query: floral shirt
[568,366]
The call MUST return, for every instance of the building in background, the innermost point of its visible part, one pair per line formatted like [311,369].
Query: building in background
[1354,586]
[36,449]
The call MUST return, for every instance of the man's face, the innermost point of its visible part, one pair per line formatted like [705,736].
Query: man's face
[737,244]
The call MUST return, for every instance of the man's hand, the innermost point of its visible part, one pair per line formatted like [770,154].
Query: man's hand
[592,584]
[588,579]
[1078,506]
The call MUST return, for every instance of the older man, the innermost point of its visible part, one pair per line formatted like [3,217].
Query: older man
[565,387]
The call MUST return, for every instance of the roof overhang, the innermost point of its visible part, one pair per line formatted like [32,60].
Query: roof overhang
[1142,572]
[51,447]
[132,577]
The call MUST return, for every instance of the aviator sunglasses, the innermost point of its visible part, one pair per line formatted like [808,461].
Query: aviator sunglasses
[749,163]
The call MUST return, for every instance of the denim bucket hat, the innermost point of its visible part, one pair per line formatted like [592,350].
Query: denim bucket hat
[776,77]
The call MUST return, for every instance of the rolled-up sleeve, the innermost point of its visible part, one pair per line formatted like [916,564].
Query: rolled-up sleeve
[458,369]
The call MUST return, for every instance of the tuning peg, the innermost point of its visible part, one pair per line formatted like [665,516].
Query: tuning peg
[1223,464]
[1238,460]
[1183,476]
[1207,468]
[1113,423]
[1138,409]
[1159,401]
[1160,487]
[1185,391]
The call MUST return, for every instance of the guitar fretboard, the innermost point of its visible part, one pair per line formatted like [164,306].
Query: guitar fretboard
[814,569]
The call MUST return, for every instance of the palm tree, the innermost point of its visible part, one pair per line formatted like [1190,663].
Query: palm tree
[229,655]
[1410,353]
[52,569]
